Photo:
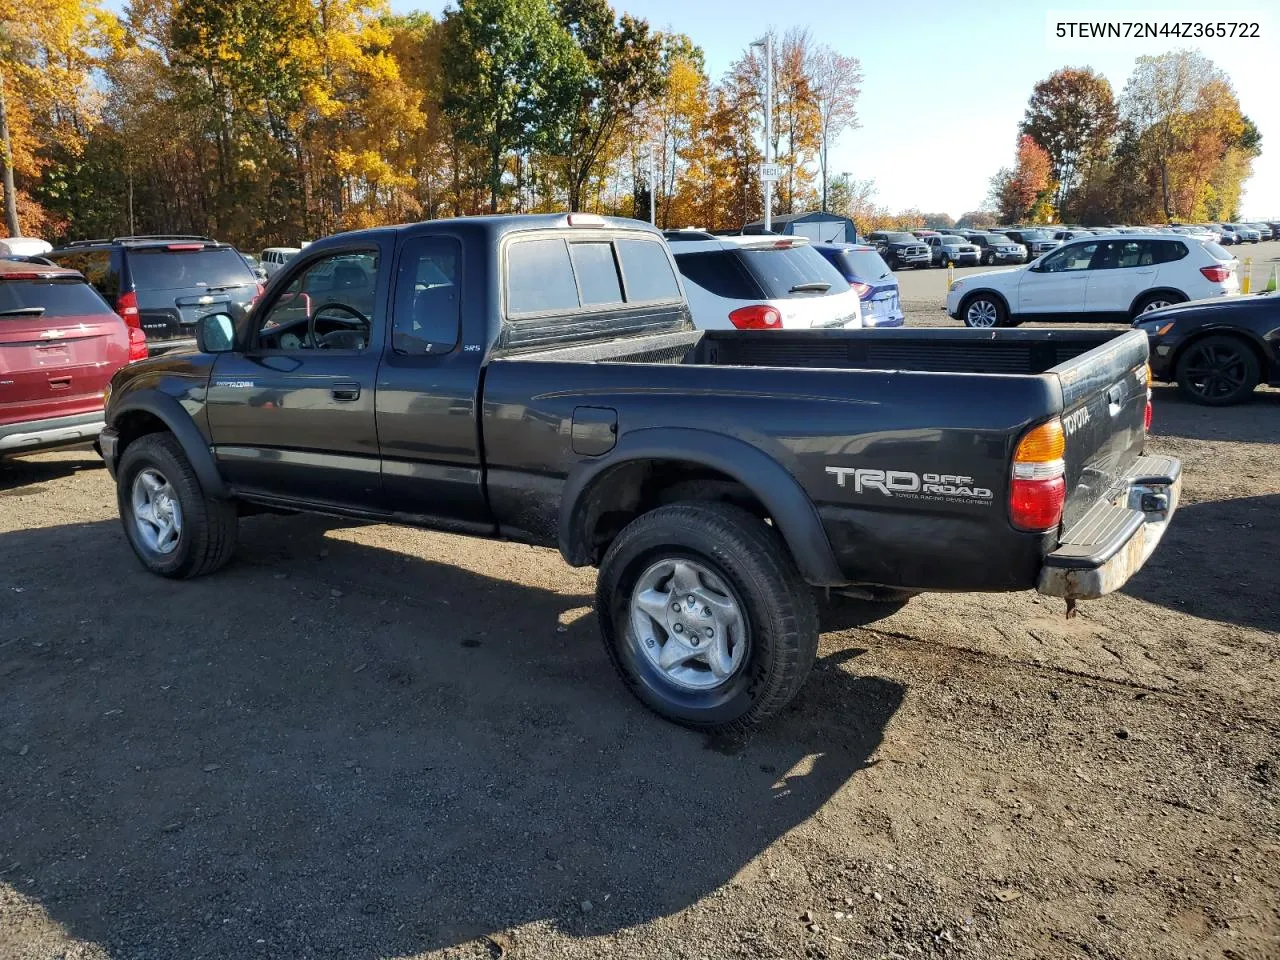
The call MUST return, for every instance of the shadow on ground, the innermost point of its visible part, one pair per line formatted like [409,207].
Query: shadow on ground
[1218,560]
[18,475]
[1257,420]
[332,749]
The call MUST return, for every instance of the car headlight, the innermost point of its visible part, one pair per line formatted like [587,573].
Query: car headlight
[955,285]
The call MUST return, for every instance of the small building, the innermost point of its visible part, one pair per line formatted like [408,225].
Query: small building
[818,225]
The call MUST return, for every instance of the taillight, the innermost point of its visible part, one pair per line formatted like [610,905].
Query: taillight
[1039,487]
[860,288]
[1146,414]
[127,307]
[1217,274]
[137,344]
[756,317]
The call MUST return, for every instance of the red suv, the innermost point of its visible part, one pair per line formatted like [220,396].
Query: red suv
[59,345]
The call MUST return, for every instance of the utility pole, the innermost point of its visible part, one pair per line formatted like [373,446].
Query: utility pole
[767,45]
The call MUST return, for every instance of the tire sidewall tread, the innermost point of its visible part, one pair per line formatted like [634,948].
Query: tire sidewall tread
[209,525]
[750,555]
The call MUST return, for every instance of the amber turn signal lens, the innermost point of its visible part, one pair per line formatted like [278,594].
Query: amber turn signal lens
[1042,444]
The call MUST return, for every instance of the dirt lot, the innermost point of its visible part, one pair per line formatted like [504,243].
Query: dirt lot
[362,742]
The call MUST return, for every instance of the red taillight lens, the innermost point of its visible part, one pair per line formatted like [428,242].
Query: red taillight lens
[1216,274]
[1039,489]
[127,307]
[757,317]
[1037,504]
[860,288]
[1146,417]
[137,344]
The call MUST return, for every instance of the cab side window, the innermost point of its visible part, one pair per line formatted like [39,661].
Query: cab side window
[330,305]
[428,300]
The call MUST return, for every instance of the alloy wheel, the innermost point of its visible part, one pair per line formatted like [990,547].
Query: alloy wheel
[157,514]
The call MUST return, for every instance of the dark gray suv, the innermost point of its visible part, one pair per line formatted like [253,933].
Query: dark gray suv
[164,284]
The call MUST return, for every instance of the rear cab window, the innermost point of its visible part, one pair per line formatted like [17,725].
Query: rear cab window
[179,266]
[60,297]
[581,273]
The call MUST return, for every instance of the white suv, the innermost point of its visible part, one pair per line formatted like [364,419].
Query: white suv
[1109,278]
[761,282]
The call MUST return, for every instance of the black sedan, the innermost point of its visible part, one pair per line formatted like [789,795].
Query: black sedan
[1216,350]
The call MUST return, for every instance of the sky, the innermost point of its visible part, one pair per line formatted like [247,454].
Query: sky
[945,84]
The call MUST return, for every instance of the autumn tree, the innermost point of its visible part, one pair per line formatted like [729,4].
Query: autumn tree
[1016,192]
[512,72]
[1072,114]
[835,80]
[622,74]
[1158,98]
[49,51]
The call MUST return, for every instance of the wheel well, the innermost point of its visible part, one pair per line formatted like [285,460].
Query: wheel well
[620,495]
[1264,367]
[1148,294]
[137,423]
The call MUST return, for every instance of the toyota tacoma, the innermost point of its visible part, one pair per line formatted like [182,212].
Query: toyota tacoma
[538,378]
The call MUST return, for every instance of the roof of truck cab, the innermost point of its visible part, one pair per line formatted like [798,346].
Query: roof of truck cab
[499,225]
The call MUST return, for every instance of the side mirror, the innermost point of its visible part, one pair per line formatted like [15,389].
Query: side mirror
[215,333]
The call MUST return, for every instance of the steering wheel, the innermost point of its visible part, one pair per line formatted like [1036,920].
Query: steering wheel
[317,342]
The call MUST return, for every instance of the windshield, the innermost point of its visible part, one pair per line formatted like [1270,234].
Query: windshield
[902,238]
[164,269]
[953,240]
[1036,235]
[50,298]
[780,270]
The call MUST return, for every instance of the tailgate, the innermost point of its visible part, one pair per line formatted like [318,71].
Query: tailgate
[57,366]
[1104,401]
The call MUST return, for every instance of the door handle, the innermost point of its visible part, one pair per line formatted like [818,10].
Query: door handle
[59,383]
[345,391]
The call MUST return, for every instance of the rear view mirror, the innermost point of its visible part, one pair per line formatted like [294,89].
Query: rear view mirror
[215,333]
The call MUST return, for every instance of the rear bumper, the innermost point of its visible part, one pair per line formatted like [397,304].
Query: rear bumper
[1111,542]
[19,438]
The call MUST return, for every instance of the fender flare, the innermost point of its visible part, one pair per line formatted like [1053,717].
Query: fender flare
[194,444]
[790,508]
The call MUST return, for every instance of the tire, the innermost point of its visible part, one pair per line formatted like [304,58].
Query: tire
[1156,301]
[893,262]
[974,314]
[204,535]
[987,260]
[945,262]
[776,633]
[1217,371]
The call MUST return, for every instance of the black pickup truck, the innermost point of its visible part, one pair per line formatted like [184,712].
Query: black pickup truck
[538,378]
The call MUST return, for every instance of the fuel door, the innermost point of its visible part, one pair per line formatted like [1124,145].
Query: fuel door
[595,430]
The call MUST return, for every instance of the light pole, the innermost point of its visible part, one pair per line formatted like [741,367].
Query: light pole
[767,45]
[653,177]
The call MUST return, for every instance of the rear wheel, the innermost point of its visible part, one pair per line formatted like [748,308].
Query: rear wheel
[705,616]
[1157,301]
[1218,371]
[175,530]
[984,311]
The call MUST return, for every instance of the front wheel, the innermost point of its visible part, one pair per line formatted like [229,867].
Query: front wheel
[175,530]
[1218,371]
[987,259]
[984,312]
[705,615]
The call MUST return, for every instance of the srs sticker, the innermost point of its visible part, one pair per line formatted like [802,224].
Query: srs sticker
[903,484]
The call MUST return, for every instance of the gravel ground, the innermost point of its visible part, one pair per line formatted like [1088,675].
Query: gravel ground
[361,741]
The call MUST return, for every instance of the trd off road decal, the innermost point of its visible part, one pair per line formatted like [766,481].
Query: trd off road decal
[905,485]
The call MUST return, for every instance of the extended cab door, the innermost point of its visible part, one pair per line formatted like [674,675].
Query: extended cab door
[292,414]
[429,388]
[1058,283]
